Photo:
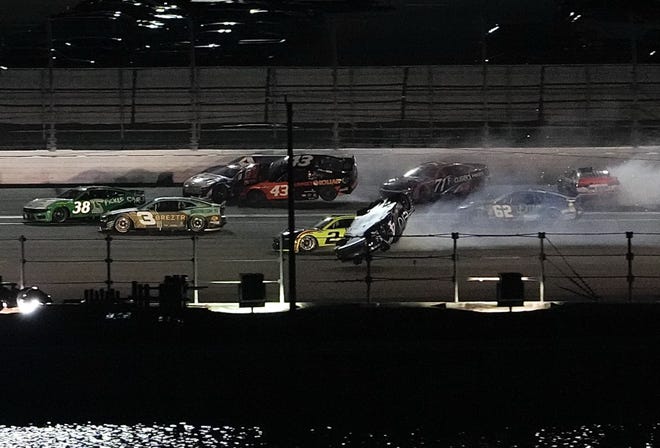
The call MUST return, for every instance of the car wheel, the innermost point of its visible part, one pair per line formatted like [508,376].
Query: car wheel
[60,215]
[123,224]
[197,223]
[307,243]
[219,194]
[256,198]
[328,193]
[398,229]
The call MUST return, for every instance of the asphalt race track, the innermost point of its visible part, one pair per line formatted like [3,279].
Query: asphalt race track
[585,260]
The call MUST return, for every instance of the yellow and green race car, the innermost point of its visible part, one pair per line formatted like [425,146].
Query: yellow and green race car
[324,233]
[168,214]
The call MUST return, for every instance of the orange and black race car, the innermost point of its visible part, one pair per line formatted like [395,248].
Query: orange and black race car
[314,176]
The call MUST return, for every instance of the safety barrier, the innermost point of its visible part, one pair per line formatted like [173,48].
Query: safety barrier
[448,267]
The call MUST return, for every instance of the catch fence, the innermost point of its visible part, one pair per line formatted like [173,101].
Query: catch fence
[595,267]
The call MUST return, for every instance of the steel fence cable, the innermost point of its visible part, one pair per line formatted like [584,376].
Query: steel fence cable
[580,283]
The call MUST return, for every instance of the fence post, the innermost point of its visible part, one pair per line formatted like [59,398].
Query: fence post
[630,256]
[454,259]
[108,262]
[541,236]
[281,281]
[22,239]
[195,270]
[368,278]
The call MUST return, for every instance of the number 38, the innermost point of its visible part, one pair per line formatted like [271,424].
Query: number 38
[81,207]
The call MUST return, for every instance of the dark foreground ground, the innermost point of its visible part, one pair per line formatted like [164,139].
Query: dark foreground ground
[342,365]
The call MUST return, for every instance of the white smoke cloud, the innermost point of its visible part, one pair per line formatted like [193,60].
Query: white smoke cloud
[640,183]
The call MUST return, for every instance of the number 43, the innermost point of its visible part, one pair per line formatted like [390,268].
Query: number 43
[279,190]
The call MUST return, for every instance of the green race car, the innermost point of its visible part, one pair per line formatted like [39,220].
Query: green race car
[80,203]
[325,233]
[167,213]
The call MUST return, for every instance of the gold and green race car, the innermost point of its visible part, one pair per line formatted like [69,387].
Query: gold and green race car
[325,233]
[81,203]
[166,213]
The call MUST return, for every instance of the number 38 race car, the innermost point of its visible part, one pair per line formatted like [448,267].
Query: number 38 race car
[168,213]
[81,203]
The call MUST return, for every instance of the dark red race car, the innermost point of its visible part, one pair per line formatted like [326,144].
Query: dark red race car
[433,180]
[587,182]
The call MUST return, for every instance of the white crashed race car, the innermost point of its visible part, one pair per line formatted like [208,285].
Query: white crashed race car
[376,227]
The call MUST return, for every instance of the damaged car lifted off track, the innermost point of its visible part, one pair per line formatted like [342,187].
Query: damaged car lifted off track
[375,227]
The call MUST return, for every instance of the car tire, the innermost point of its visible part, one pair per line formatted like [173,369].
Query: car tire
[398,229]
[255,198]
[328,193]
[307,243]
[60,215]
[197,223]
[219,194]
[123,224]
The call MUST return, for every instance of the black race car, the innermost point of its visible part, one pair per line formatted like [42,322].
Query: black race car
[376,227]
[433,180]
[221,183]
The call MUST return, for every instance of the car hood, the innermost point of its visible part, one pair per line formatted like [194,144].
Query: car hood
[44,202]
[206,178]
[119,211]
[400,183]
[472,205]
[285,233]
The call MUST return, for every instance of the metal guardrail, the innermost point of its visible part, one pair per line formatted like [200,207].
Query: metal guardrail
[553,263]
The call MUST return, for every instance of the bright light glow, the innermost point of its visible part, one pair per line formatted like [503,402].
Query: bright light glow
[68,44]
[168,16]
[223,30]
[652,53]
[28,306]
[2,67]
[257,11]
[496,279]
[493,29]
[576,18]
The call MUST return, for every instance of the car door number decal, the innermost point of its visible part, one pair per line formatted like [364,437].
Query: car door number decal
[502,211]
[333,237]
[279,190]
[146,218]
[304,160]
[81,207]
